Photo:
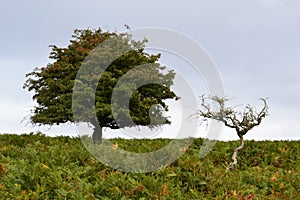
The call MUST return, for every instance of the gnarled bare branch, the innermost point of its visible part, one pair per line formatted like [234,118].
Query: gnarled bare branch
[213,107]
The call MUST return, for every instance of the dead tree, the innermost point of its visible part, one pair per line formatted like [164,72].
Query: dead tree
[213,107]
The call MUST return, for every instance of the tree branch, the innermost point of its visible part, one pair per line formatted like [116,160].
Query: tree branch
[242,122]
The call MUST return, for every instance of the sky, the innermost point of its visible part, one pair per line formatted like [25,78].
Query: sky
[254,44]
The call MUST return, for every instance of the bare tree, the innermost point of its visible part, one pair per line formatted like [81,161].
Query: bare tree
[213,107]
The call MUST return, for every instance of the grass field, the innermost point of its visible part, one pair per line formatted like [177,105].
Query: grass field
[34,166]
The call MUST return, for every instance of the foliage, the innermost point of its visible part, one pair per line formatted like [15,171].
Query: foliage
[53,85]
[38,167]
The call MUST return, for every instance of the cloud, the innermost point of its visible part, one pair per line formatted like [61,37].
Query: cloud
[255,45]
[270,4]
[12,114]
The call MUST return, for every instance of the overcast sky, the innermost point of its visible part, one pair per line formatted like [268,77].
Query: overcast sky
[255,45]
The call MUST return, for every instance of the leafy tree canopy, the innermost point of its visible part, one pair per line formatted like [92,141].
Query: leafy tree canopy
[53,84]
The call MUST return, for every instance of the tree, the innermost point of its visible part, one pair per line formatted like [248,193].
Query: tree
[53,85]
[213,107]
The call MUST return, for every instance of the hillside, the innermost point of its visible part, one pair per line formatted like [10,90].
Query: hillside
[39,167]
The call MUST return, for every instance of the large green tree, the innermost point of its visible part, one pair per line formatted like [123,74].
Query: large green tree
[53,85]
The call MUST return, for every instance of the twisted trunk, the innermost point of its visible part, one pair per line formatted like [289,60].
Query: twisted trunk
[232,164]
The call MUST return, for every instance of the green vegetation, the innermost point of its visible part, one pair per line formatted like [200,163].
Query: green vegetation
[38,167]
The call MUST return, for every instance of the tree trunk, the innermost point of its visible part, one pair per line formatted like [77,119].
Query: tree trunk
[232,164]
[97,135]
